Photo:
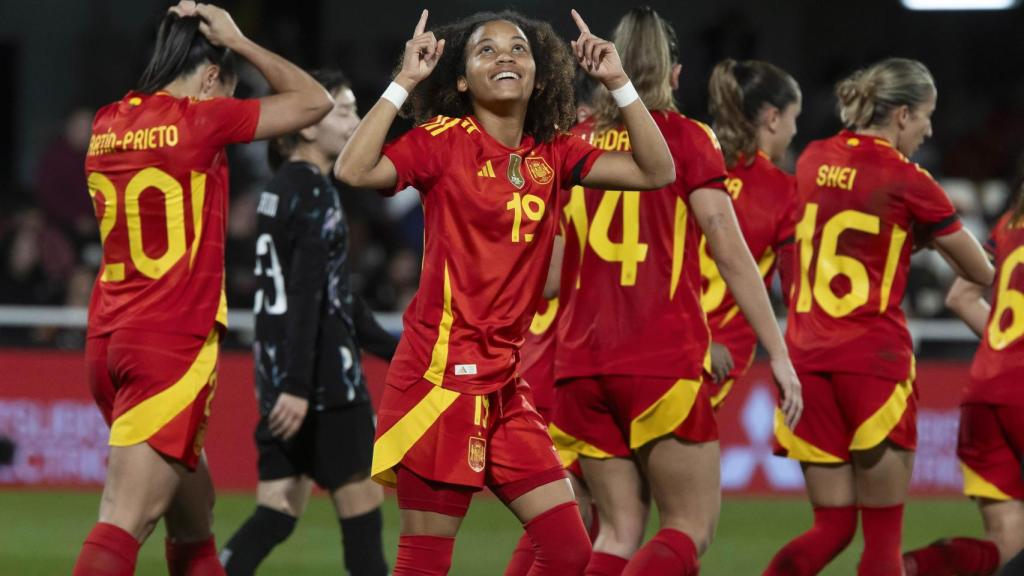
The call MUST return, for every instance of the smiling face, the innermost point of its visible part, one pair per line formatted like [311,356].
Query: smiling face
[499,64]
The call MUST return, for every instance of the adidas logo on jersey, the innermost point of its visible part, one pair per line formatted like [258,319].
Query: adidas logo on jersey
[465,369]
[487,171]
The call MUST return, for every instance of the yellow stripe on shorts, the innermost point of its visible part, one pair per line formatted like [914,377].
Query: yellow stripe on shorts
[797,448]
[392,445]
[146,418]
[665,414]
[877,428]
[977,487]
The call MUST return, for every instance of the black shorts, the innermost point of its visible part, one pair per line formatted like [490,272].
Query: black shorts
[333,447]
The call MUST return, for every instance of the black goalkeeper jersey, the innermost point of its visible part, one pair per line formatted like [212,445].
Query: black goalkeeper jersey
[309,325]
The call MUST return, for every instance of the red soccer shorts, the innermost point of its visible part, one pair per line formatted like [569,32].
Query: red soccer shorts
[844,412]
[989,447]
[613,416]
[497,440]
[155,388]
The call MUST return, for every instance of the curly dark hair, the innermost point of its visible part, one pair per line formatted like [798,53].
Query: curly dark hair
[551,108]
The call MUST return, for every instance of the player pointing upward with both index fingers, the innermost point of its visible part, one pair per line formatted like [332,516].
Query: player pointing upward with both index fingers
[493,95]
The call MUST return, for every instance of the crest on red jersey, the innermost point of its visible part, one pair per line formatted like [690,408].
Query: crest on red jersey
[515,173]
[477,453]
[539,170]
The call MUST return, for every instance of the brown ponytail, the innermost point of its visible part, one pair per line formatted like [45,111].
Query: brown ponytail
[738,92]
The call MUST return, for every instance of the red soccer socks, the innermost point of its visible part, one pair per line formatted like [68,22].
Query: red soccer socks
[957,556]
[883,531]
[423,555]
[809,552]
[602,564]
[192,558]
[107,551]
[670,552]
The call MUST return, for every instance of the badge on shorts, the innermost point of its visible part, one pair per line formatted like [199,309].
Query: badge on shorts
[477,453]
[539,170]
[515,174]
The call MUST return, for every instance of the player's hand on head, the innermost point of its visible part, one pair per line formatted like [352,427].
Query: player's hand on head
[721,362]
[597,56]
[790,391]
[216,25]
[422,53]
[287,415]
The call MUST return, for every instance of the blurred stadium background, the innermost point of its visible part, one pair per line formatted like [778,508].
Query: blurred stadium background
[61,59]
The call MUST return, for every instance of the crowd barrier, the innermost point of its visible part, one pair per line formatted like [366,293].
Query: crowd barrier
[60,438]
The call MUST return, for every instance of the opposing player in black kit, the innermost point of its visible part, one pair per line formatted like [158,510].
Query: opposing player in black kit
[316,421]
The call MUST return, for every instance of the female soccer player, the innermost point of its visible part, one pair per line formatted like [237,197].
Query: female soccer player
[863,205]
[157,173]
[491,161]
[755,106]
[632,340]
[316,421]
[991,439]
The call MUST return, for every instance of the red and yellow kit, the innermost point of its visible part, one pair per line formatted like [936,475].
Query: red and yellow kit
[862,204]
[991,438]
[538,354]
[157,173]
[490,217]
[764,198]
[630,294]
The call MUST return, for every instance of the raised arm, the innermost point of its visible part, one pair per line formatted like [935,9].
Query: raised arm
[298,100]
[361,163]
[714,213]
[649,165]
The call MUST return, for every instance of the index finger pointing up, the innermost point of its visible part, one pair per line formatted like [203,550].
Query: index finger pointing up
[421,26]
[580,23]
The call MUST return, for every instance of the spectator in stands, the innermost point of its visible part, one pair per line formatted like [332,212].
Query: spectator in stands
[60,186]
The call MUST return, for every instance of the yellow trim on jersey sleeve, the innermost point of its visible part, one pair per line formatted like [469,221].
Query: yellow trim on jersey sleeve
[797,448]
[393,444]
[977,487]
[665,414]
[439,356]
[567,443]
[146,418]
[877,427]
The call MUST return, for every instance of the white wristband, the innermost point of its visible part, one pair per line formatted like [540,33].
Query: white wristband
[625,95]
[397,95]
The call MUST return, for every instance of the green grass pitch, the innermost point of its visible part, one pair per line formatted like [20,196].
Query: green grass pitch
[41,532]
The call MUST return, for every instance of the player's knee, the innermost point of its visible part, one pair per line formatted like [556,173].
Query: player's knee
[573,553]
[620,535]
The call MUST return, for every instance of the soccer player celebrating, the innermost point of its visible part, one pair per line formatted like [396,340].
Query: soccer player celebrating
[491,162]
[632,340]
[755,106]
[991,437]
[863,208]
[157,172]
[316,421]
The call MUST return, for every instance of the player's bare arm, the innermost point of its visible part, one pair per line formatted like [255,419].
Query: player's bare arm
[649,164]
[967,300]
[361,163]
[713,209]
[966,256]
[298,100]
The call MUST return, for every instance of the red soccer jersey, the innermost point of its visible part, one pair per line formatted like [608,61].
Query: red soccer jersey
[158,176]
[861,204]
[490,217]
[764,198]
[538,354]
[998,367]
[630,290]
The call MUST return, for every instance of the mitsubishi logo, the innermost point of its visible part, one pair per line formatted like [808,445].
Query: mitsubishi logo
[740,463]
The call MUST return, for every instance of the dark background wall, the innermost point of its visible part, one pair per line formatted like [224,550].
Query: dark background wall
[56,54]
